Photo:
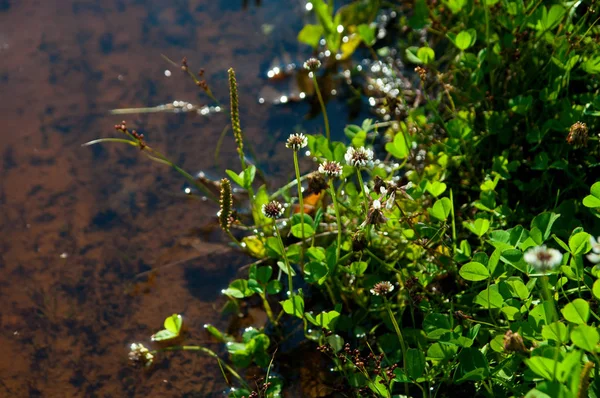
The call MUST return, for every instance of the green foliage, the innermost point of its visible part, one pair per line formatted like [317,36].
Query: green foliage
[466,254]
[172,329]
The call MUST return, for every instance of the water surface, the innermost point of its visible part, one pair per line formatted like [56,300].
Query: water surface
[77,224]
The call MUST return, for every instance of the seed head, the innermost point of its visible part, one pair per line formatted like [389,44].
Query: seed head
[513,342]
[578,135]
[273,209]
[296,142]
[542,258]
[140,355]
[330,168]
[225,202]
[375,215]
[316,183]
[312,64]
[382,288]
[422,72]
[359,157]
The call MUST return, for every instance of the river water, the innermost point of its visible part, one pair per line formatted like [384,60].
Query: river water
[79,223]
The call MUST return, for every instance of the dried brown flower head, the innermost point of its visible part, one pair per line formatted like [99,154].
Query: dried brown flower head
[316,183]
[375,216]
[422,72]
[513,342]
[578,135]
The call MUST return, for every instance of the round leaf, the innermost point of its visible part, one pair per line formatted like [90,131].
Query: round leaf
[577,311]
[173,323]
[464,40]
[474,271]
[426,54]
[596,289]
[580,243]
[585,337]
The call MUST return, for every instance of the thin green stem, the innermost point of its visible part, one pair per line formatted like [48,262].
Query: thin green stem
[453,223]
[338,220]
[548,297]
[399,334]
[301,203]
[268,309]
[362,189]
[323,109]
[288,267]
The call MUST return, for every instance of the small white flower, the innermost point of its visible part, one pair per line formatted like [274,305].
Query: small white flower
[296,141]
[377,204]
[312,64]
[594,256]
[359,157]
[140,355]
[391,200]
[330,168]
[273,209]
[542,258]
[382,288]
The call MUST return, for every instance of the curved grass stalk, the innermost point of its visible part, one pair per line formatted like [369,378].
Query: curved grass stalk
[157,157]
[222,365]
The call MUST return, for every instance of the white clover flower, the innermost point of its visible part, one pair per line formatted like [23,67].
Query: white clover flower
[273,209]
[542,258]
[594,256]
[312,64]
[330,168]
[382,288]
[359,157]
[296,141]
[140,355]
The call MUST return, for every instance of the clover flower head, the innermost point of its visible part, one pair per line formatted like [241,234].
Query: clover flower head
[382,288]
[312,64]
[273,209]
[513,342]
[375,215]
[578,135]
[359,157]
[594,256]
[296,141]
[330,168]
[140,355]
[543,259]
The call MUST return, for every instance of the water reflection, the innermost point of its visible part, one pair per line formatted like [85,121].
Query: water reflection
[79,225]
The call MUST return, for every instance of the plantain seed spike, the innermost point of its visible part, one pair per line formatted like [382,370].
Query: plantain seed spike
[226,204]
[235,116]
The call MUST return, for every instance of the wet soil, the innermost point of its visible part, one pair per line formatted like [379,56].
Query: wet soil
[77,224]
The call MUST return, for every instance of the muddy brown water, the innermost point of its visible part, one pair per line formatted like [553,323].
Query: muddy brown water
[77,224]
